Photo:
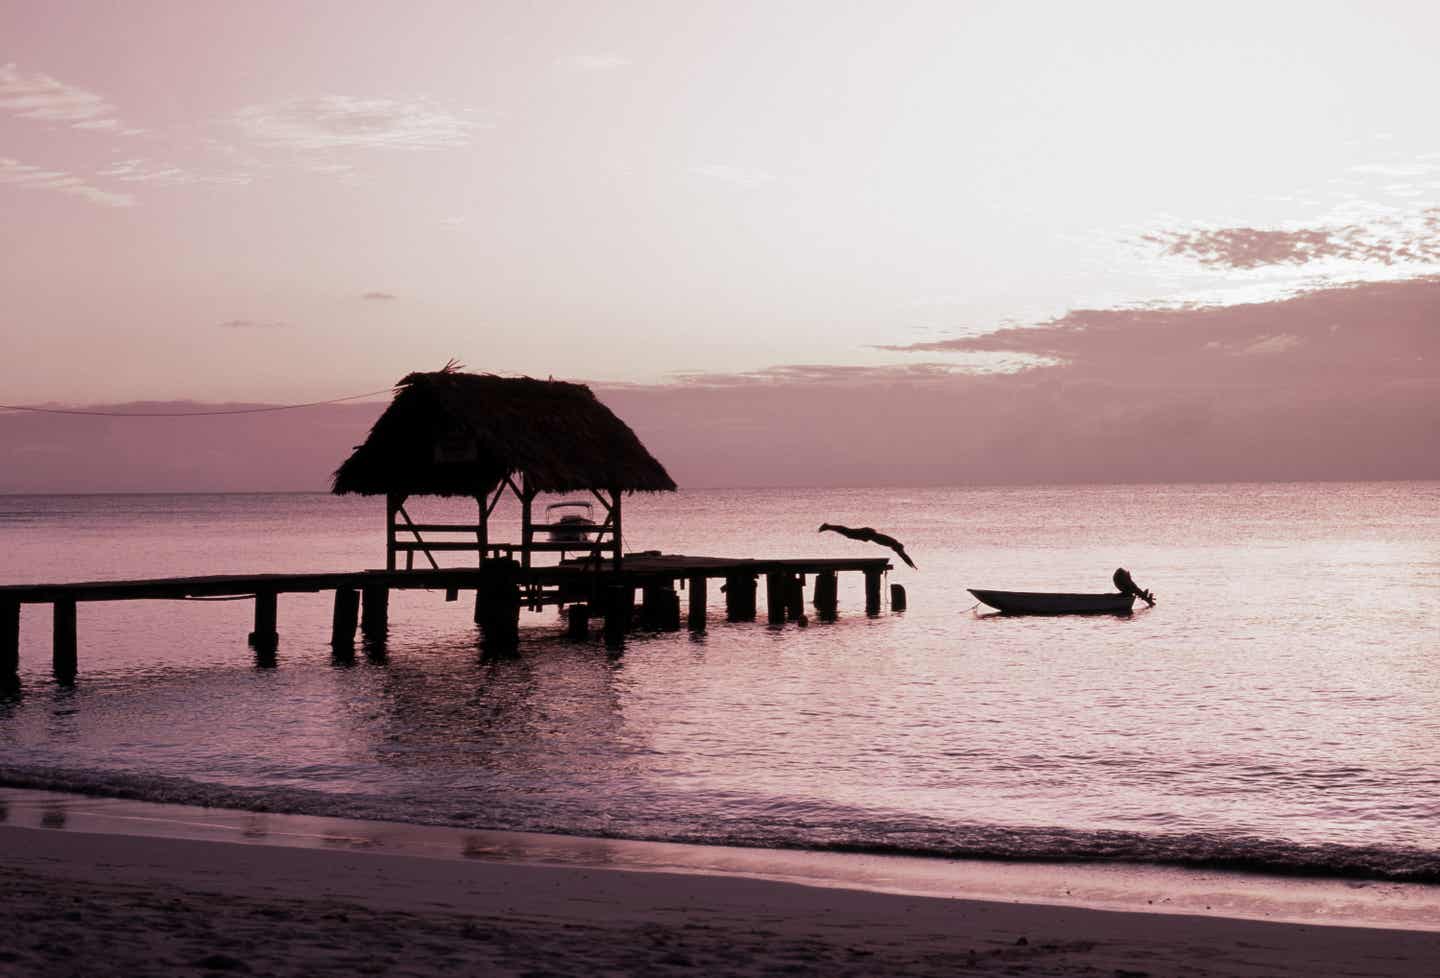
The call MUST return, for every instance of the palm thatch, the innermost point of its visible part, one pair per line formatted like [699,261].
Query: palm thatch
[458,434]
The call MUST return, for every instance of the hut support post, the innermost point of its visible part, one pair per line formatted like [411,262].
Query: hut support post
[527,521]
[872,592]
[393,502]
[265,638]
[342,623]
[827,591]
[9,638]
[697,602]
[64,657]
[615,511]
[482,529]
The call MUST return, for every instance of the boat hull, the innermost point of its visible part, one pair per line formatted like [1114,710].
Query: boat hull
[1051,603]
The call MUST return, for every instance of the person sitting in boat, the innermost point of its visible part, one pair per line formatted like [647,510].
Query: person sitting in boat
[1125,584]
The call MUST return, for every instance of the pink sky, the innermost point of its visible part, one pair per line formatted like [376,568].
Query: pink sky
[702,207]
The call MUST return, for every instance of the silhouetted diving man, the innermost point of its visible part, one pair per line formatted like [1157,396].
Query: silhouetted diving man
[868,535]
[1126,585]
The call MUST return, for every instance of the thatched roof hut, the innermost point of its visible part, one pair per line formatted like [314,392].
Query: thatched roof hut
[449,433]
[457,434]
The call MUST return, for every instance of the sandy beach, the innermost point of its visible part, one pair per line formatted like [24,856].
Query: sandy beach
[83,903]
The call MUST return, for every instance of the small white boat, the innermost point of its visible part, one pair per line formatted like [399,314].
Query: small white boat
[571,521]
[1052,603]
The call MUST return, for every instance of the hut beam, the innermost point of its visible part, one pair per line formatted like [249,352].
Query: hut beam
[415,531]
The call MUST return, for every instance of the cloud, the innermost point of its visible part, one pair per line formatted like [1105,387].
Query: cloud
[166,175]
[1371,331]
[45,98]
[254,324]
[740,176]
[380,296]
[592,62]
[1407,238]
[28,177]
[1341,383]
[1270,345]
[342,121]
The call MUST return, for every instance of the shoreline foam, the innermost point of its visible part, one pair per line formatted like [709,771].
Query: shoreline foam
[1095,886]
[82,902]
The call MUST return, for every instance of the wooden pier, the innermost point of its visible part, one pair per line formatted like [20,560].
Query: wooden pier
[502,588]
[453,434]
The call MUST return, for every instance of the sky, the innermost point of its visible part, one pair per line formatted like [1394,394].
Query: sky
[983,234]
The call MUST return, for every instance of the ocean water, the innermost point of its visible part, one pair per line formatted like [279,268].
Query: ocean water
[1278,710]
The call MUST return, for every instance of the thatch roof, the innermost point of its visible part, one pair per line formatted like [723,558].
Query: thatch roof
[456,434]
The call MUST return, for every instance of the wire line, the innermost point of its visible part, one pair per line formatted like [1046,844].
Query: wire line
[188,414]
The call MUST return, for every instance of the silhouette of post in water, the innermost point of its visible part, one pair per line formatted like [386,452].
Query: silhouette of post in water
[826,595]
[9,638]
[869,535]
[64,658]
[1126,585]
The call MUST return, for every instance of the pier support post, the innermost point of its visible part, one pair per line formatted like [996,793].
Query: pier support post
[498,605]
[265,638]
[668,616]
[619,602]
[872,592]
[697,603]
[897,597]
[578,621]
[775,597]
[375,610]
[827,595]
[64,656]
[9,638]
[342,623]
[795,596]
[661,607]
[740,596]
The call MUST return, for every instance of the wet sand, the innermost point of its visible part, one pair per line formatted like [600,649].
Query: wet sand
[84,902]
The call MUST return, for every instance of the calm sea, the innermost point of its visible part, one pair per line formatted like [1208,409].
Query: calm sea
[1279,709]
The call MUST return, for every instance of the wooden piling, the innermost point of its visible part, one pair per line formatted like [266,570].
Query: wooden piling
[9,638]
[795,596]
[775,597]
[827,595]
[578,618]
[374,610]
[740,596]
[64,655]
[265,638]
[872,592]
[498,605]
[897,597]
[342,623]
[667,609]
[697,603]
[619,601]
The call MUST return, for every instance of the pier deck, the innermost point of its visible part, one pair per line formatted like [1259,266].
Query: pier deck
[501,589]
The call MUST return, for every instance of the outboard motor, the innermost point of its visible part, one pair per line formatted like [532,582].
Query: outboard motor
[1125,584]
